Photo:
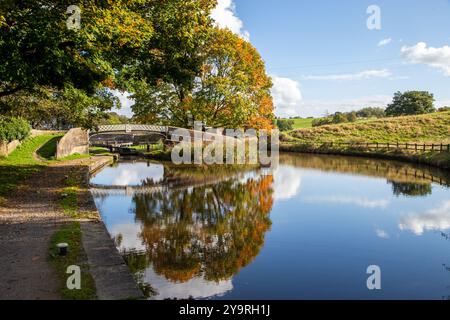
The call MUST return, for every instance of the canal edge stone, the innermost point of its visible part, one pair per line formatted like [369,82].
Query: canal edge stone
[112,277]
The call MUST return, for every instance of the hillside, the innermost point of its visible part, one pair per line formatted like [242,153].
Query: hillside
[422,128]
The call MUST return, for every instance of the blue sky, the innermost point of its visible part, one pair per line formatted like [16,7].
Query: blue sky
[323,58]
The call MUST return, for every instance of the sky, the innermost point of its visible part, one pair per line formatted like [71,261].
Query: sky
[326,56]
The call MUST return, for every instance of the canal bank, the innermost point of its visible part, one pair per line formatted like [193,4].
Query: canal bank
[46,197]
[436,159]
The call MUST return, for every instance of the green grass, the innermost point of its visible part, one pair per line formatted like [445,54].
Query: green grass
[21,163]
[99,151]
[427,128]
[71,234]
[75,156]
[301,123]
[48,150]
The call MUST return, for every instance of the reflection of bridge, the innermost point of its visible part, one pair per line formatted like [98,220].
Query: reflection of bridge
[126,190]
[164,186]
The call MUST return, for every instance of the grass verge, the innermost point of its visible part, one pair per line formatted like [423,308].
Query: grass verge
[21,163]
[71,234]
[434,127]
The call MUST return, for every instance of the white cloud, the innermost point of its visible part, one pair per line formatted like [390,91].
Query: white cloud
[357,201]
[438,58]
[225,17]
[433,219]
[129,174]
[382,234]
[125,102]
[286,96]
[365,74]
[287,183]
[130,236]
[384,42]
[197,287]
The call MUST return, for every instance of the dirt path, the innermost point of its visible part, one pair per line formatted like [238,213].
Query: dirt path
[28,219]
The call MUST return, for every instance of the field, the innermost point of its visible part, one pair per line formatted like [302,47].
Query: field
[429,128]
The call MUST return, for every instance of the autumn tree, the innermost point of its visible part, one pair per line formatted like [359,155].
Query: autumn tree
[231,90]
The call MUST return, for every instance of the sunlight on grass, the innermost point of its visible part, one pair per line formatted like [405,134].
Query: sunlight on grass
[21,163]
[71,234]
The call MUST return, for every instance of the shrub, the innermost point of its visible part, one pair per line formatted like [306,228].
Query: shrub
[12,128]
[285,124]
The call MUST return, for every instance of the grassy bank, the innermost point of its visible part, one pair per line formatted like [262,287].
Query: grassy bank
[430,128]
[21,163]
[71,234]
[433,127]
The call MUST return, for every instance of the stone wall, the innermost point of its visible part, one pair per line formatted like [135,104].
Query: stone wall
[7,148]
[75,141]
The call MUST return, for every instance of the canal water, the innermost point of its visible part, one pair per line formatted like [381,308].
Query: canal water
[308,230]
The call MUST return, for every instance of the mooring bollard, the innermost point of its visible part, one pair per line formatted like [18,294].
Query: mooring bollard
[62,249]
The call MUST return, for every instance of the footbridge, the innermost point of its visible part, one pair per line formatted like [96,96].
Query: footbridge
[136,134]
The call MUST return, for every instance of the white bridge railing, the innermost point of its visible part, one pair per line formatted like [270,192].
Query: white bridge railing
[131,127]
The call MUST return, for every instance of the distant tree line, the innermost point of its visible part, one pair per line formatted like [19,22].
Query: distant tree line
[403,104]
[343,117]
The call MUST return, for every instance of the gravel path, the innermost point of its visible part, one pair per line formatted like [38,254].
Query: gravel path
[27,221]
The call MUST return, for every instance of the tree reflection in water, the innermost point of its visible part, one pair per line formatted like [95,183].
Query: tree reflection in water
[411,189]
[208,231]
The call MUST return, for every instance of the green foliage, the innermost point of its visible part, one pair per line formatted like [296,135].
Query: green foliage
[12,128]
[353,116]
[114,118]
[71,234]
[410,103]
[231,90]
[59,109]
[370,112]
[37,48]
[285,124]
[444,109]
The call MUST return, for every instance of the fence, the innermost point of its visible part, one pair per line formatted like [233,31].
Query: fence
[379,146]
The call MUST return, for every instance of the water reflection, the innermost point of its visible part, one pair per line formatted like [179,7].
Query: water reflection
[432,219]
[248,233]
[410,189]
[197,236]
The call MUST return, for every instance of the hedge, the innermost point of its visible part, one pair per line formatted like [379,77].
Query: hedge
[13,129]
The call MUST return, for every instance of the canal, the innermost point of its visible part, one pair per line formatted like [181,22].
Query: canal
[308,230]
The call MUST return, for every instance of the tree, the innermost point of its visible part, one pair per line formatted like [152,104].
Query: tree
[38,49]
[285,124]
[47,108]
[352,117]
[410,103]
[114,118]
[369,112]
[339,117]
[231,90]
[171,61]
[234,88]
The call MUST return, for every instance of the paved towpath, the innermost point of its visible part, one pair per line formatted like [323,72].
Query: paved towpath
[28,219]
